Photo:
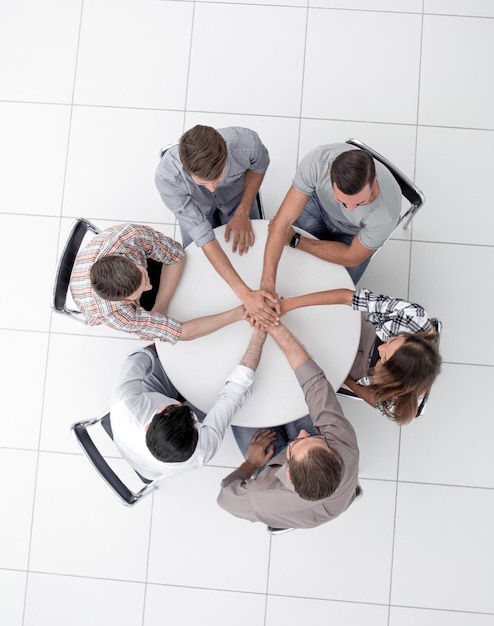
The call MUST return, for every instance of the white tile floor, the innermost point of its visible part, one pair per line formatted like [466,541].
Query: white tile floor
[89,91]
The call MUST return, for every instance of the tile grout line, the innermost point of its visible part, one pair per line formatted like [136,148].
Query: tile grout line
[43,398]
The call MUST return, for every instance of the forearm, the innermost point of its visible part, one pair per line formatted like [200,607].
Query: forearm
[208,324]
[335,251]
[332,296]
[289,211]
[252,355]
[361,391]
[278,231]
[222,265]
[294,351]
[252,182]
[170,277]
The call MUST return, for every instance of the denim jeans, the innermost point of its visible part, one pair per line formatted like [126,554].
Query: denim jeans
[315,220]
[284,434]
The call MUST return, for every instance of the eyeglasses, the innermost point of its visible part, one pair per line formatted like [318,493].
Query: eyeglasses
[293,442]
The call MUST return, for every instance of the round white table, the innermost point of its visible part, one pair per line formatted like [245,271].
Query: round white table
[199,368]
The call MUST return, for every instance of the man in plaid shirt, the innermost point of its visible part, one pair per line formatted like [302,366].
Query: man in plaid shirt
[110,280]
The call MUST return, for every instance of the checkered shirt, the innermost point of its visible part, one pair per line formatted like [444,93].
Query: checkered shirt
[391,315]
[137,243]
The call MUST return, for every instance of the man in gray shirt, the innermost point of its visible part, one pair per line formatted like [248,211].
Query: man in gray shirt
[304,482]
[350,202]
[210,178]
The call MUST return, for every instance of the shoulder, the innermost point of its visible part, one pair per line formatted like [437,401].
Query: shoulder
[170,165]
[238,135]
[323,156]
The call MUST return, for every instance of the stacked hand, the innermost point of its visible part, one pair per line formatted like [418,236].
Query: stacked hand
[262,308]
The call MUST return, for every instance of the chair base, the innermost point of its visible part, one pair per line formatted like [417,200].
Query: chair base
[278,531]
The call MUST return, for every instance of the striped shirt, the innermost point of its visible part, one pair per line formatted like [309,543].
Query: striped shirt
[137,243]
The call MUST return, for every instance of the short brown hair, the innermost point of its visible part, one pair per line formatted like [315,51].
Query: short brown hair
[115,277]
[317,474]
[352,170]
[203,152]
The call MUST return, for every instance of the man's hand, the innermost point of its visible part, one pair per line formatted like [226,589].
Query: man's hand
[260,449]
[262,307]
[243,235]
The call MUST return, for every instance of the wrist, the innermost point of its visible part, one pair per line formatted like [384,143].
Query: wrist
[248,467]
[267,284]
[295,240]
[243,208]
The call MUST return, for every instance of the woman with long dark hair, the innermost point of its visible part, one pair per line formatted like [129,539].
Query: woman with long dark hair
[394,375]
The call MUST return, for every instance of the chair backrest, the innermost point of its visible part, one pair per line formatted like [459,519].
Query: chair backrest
[120,489]
[260,208]
[408,189]
[65,265]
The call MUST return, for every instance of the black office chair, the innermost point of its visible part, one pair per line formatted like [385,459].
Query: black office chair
[347,393]
[259,206]
[125,494]
[79,230]
[408,189]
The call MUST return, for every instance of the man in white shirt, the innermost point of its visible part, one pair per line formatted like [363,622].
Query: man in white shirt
[160,436]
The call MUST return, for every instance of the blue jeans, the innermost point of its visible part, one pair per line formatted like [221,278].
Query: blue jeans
[315,220]
[284,434]
[217,218]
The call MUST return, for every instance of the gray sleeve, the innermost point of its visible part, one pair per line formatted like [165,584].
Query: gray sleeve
[325,410]
[234,496]
[259,158]
[306,176]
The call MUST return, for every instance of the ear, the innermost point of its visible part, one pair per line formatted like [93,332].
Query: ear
[288,473]
[146,428]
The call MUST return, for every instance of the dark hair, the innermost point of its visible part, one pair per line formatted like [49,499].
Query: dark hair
[352,170]
[203,152]
[407,375]
[172,435]
[115,277]
[317,474]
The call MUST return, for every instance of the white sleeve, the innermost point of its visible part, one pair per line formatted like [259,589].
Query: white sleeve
[228,402]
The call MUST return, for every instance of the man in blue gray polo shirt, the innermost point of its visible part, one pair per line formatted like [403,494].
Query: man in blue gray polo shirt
[210,178]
